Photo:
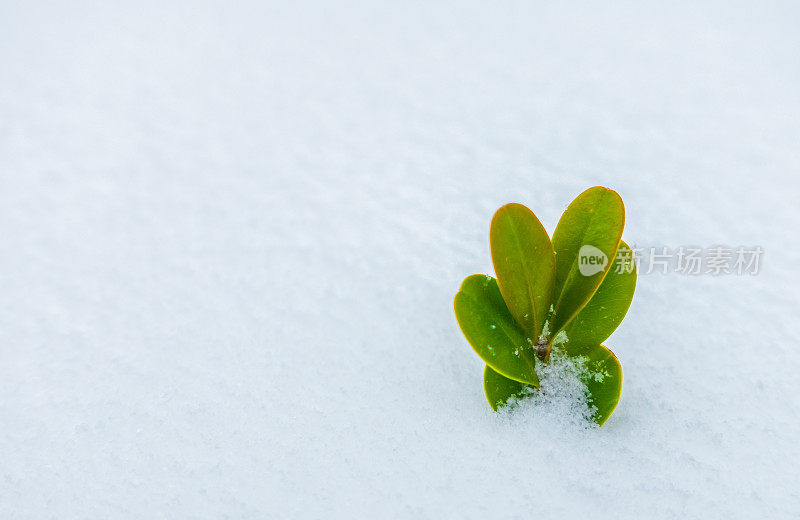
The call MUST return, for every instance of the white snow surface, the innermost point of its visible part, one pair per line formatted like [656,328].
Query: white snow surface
[230,235]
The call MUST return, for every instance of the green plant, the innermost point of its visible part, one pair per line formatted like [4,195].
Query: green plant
[569,295]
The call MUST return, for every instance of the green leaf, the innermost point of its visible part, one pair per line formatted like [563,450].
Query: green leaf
[499,389]
[601,373]
[604,312]
[603,379]
[523,260]
[491,330]
[594,219]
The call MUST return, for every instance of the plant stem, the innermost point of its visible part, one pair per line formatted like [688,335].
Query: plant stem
[543,350]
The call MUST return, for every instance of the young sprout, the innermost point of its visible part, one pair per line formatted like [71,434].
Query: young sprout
[569,293]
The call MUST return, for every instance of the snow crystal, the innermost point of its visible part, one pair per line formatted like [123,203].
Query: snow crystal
[561,397]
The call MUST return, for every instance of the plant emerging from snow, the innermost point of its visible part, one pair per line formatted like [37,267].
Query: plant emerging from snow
[551,299]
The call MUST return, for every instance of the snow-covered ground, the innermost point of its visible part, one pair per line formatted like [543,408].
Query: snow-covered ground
[230,236]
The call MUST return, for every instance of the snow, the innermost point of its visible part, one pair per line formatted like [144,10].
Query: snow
[560,398]
[230,235]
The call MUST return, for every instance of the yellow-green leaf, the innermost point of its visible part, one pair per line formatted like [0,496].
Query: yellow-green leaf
[491,330]
[499,389]
[525,266]
[602,376]
[604,312]
[587,235]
